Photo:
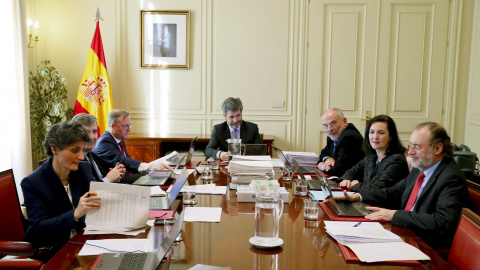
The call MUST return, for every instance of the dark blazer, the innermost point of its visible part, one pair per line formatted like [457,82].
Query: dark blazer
[248,133]
[387,173]
[89,158]
[438,208]
[48,207]
[347,153]
[108,153]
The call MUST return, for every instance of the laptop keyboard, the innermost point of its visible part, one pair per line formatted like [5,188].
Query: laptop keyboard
[132,261]
[314,184]
[156,203]
[156,181]
[348,209]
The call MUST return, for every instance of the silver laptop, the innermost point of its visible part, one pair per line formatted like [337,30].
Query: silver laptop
[315,184]
[343,208]
[281,156]
[143,260]
[164,203]
[177,161]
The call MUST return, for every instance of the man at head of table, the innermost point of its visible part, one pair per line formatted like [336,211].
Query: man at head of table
[233,127]
[110,147]
[344,144]
[430,200]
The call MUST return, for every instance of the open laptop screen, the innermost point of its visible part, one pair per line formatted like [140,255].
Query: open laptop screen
[181,179]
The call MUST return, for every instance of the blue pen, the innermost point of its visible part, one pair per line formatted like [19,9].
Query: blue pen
[358,224]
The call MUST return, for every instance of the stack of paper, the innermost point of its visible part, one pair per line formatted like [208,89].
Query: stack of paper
[206,189]
[252,158]
[244,172]
[364,232]
[306,159]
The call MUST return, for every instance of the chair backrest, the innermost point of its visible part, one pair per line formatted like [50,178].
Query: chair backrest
[466,243]
[11,227]
[474,195]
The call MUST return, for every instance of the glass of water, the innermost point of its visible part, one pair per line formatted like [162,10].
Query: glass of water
[310,209]
[300,187]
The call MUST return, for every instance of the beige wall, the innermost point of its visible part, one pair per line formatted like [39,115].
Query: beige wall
[255,50]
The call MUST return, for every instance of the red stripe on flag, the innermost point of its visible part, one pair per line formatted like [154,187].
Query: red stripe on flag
[79,109]
[97,45]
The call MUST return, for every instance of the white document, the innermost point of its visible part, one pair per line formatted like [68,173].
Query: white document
[346,235]
[208,267]
[252,158]
[381,252]
[163,159]
[157,191]
[206,189]
[179,171]
[123,207]
[336,224]
[305,154]
[202,214]
[97,247]
[277,163]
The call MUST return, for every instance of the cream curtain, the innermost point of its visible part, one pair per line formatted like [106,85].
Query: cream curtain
[15,146]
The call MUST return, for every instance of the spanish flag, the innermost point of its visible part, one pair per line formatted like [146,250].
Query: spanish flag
[95,93]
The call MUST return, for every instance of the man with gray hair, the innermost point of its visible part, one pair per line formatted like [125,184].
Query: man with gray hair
[89,122]
[344,144]
[430,200]
[110,147]
[233,127]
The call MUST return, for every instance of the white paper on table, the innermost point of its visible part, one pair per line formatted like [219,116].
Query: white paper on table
[251,158]
[179,171]
[374,225]
[306,154]
[391,251]
[163,159]
[206,189]
[202,214]
[123,207]
[208,267]
[115,245]
[157,191]
[125,231]
[277,163]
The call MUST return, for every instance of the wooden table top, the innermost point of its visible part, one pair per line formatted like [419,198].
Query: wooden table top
[306,244]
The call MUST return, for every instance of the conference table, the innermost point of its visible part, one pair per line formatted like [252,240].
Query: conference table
[226,244]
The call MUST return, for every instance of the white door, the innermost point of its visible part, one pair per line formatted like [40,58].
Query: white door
[375,57]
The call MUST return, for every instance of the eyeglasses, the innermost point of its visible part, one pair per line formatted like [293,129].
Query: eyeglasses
[126,126]
[417,147]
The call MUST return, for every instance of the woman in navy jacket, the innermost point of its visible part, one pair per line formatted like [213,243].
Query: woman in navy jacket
[56,194]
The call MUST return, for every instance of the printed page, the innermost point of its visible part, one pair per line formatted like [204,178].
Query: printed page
[122,206]
[380,252]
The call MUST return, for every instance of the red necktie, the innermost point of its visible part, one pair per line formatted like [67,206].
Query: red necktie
[235,134]
[415,190]
[121,147]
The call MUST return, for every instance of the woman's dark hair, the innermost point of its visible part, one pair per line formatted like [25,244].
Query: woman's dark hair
[394,146]
[64,134]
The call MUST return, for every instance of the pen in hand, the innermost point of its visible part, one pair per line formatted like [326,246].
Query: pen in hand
[358,224]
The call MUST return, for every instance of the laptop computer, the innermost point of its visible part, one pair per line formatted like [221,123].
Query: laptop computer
[343,208]
[315,184]
[165,203]
[254,150]
[177,161]
[141,260]
[155,177]
[282,157]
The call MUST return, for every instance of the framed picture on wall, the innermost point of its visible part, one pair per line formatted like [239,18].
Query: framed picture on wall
[165,36]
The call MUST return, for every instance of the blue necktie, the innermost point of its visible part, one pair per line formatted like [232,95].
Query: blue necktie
[334,145]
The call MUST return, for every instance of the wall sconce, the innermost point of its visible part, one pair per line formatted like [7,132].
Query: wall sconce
[30,34]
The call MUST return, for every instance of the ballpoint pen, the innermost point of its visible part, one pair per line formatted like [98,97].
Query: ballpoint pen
[358,224]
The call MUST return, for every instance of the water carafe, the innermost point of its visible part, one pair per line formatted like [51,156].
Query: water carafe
[234,148]
[268,211]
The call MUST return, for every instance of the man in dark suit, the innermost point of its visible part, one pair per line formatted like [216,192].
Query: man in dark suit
[429,201]
[233,127]
[110,147]
[89,122]
[344,144]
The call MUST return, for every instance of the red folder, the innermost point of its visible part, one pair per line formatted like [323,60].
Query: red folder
[334,217]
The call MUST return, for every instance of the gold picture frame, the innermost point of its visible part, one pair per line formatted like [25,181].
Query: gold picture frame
[164,39]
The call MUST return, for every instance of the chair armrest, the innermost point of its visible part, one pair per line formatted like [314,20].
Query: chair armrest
[25,264]
[17,248]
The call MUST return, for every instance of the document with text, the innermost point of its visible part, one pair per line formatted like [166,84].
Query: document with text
[123,207]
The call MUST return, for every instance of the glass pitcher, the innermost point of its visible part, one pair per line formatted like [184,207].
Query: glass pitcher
[268,211]
[234,148]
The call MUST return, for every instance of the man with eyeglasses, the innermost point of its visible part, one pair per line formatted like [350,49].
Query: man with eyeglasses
[430,200]
[344,144]
[110,147]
